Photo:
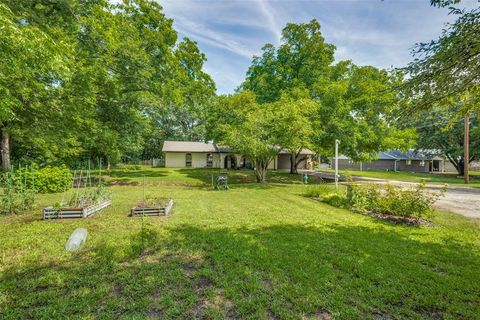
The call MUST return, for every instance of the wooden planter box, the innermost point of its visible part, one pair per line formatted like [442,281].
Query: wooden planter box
[63,213]
[153,211]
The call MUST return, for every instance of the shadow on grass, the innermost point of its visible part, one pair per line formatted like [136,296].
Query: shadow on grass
[283,271]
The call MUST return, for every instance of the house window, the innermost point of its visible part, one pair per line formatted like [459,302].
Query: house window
[209,160]
[188,160]
[409,162]
[422,163]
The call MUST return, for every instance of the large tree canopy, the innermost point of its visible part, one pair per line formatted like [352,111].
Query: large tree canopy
[348,102]
[118,67]
[447,69]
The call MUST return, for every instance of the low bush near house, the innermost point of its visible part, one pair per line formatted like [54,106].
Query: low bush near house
[45,180]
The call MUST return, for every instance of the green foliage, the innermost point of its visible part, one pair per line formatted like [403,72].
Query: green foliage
[17,195]
[97,79]
[320,102]
[318,190]
[248,128]
[445,70]
[84,197]
[441,130]
[393,200]
[45,180]
[128,167]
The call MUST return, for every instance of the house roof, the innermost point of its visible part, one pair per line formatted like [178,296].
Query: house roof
[188,146]
[399,155]
[195,146]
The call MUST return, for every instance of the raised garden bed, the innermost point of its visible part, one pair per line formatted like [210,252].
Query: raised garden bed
[74,212]
[157,207]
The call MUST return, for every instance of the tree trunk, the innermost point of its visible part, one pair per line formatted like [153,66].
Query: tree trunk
[261,168]
[293,163]
[5,150]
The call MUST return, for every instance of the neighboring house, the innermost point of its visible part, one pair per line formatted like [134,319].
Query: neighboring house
[394,160]
[191,154]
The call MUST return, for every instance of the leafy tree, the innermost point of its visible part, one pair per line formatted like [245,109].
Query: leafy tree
[357,108]
[447,69]
[294,126]
[247,128]
[347,102]
[438,134]
[127,77]
[32,70]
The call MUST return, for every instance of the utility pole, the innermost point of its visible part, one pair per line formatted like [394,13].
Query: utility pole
[337,142]
[466,143]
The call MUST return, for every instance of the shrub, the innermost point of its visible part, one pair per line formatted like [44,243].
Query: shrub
[393,200]
[45,180]
[128,167]
[318,190]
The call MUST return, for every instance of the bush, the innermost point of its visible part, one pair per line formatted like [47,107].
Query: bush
[393,200]
[327,194]
[45,180]
[128,167]
[318,190]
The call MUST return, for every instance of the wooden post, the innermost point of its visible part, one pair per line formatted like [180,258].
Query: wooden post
[466,148]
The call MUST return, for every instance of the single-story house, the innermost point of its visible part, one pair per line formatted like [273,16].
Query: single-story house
[193,154]
[411,161]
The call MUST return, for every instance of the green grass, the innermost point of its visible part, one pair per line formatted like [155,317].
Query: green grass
[433,178]
[253,252]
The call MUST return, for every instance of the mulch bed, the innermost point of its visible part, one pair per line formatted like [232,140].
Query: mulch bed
[410,221]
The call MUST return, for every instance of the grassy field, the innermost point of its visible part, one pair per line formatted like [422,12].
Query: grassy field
[253,252]
[434,178]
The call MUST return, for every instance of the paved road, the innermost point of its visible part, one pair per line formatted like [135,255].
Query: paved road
[461,200]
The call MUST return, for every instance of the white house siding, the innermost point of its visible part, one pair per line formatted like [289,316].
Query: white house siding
[283,162]
[199,160]
[175,159]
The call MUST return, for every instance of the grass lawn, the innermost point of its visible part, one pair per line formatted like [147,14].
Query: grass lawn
[434,178]
[253,252]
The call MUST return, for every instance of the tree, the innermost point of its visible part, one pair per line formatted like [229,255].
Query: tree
[32,70]
[127,76]
[247,128]
[447,68]
[446,71]
[294,126]
[439,135]
[357,109]
[321,102]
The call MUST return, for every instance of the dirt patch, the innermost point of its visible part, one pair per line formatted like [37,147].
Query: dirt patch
[382,316]
[155,314]
[319,314]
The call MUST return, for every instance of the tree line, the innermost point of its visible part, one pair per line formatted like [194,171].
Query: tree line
[92,79]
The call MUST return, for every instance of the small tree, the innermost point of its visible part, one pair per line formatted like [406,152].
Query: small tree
[293,126]
[247,128]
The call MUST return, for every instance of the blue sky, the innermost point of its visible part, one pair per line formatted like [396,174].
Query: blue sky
[368,32]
